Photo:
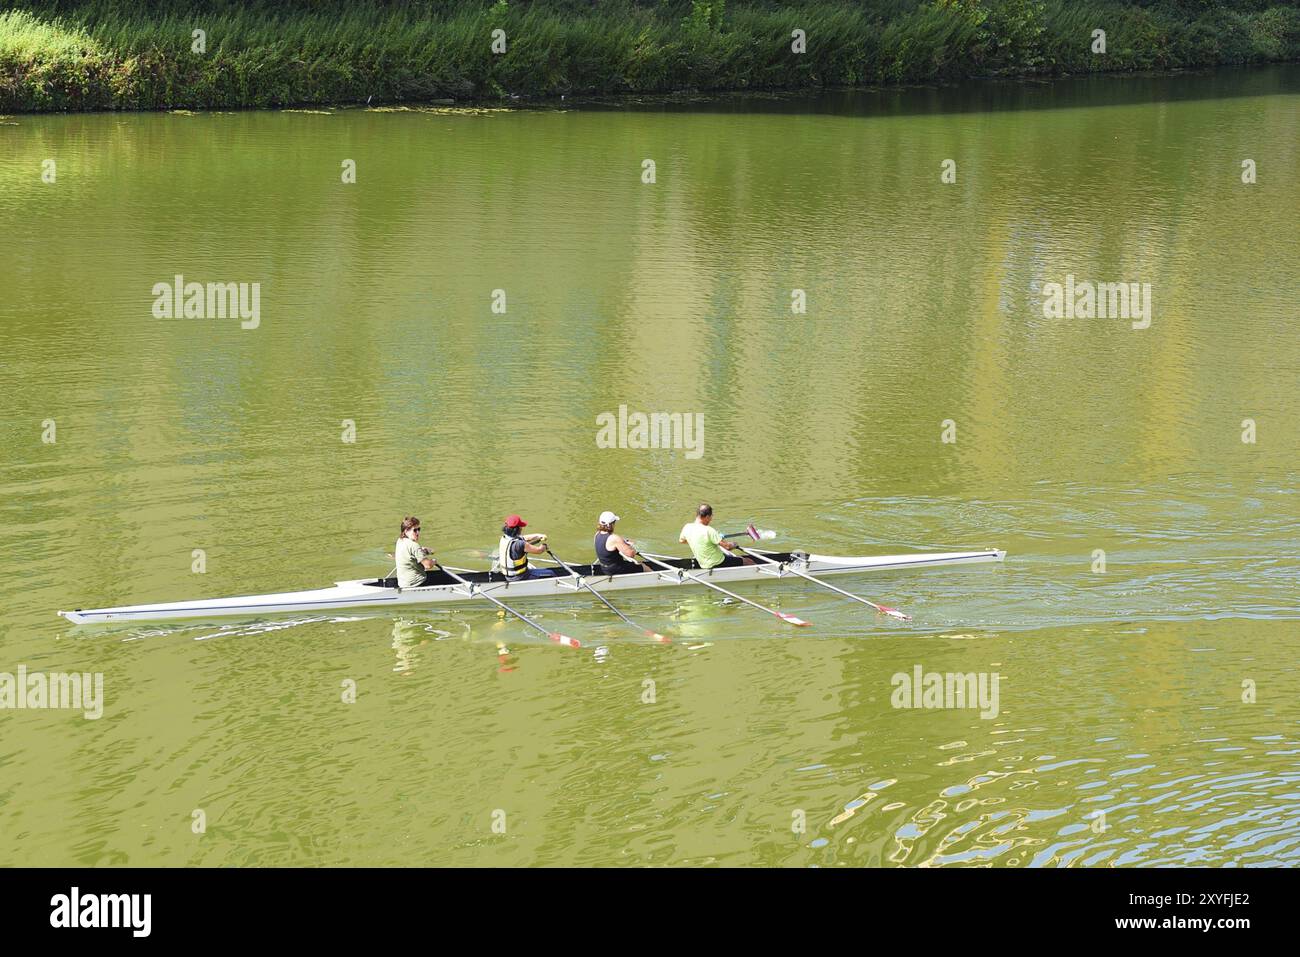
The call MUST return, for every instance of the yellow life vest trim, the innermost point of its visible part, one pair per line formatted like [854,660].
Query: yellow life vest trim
[512,567]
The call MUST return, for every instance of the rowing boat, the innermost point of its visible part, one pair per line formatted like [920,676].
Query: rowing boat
[442,589]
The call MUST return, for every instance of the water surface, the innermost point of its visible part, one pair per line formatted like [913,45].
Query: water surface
[1121,692]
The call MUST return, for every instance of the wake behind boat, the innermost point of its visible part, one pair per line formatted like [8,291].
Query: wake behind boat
[454,586]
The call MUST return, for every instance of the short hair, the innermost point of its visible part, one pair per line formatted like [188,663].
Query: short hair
[408,523]
[704,511]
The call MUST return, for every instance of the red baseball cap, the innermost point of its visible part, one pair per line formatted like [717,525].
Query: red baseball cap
[514,521]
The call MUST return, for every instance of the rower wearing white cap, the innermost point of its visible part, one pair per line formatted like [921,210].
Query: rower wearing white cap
[615,555]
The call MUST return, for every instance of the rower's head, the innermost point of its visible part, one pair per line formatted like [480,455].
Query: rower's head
[411,528]
[513,524]
[606,522]
[704,514]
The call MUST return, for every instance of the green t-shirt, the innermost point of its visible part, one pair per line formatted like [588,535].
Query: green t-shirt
[703,540]
[410,573]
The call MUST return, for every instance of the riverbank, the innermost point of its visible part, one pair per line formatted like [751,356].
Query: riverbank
[97,55]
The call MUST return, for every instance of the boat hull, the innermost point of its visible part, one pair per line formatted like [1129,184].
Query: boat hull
[374,594]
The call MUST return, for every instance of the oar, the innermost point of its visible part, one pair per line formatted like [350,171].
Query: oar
[753,604]
[754,533]
[475,593]
[892,612]
[578,578]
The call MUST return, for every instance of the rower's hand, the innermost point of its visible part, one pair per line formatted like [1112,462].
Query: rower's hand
[536,539]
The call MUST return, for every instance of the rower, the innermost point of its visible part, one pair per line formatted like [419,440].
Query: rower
[515,547]
[707,545]
[615,555]
[412,560]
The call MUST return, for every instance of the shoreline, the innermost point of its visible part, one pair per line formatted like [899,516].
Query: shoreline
[90,56]
[683,99]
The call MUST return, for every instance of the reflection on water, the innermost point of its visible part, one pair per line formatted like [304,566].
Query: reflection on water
[410,636]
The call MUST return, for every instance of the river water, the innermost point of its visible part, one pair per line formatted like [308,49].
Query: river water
[1140,474]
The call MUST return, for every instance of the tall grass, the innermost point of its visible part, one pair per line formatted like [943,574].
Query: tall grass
[111,54]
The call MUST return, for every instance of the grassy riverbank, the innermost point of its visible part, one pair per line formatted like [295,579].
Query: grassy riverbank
[102,54]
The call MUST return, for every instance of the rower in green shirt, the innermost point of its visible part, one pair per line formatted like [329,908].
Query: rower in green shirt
[412,560]
[707,545]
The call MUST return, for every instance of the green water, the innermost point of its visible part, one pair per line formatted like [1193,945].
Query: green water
[1121,690]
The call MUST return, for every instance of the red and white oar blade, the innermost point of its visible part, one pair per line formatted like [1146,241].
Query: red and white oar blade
[752,532]
[658,637]
[895,613]
[565,640]
[793,620]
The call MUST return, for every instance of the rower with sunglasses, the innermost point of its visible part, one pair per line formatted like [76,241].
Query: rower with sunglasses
[411,558]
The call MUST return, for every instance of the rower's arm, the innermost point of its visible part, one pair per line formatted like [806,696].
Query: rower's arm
[532,549]
[625,548]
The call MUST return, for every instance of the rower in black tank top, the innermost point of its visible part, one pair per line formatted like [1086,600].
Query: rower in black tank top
[604,554]
[609,560]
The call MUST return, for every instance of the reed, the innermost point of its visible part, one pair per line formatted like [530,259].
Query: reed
[109,54]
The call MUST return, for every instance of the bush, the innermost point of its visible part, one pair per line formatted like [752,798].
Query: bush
[106,54]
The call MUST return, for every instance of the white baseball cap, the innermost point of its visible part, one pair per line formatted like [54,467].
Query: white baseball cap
[608,518]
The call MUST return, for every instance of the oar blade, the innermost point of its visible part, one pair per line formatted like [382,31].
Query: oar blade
[895,613]
[791,619]
[664,639]
[565,640]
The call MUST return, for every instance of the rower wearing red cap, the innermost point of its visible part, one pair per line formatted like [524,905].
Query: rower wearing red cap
[514,549]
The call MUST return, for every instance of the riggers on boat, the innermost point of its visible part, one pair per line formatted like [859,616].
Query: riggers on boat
[443,589]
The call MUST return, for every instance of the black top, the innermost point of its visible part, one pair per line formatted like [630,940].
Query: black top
[604,554]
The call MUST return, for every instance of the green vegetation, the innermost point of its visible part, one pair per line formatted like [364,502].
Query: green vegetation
[110,54]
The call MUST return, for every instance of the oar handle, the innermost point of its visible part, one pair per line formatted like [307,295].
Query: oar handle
[562,563]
